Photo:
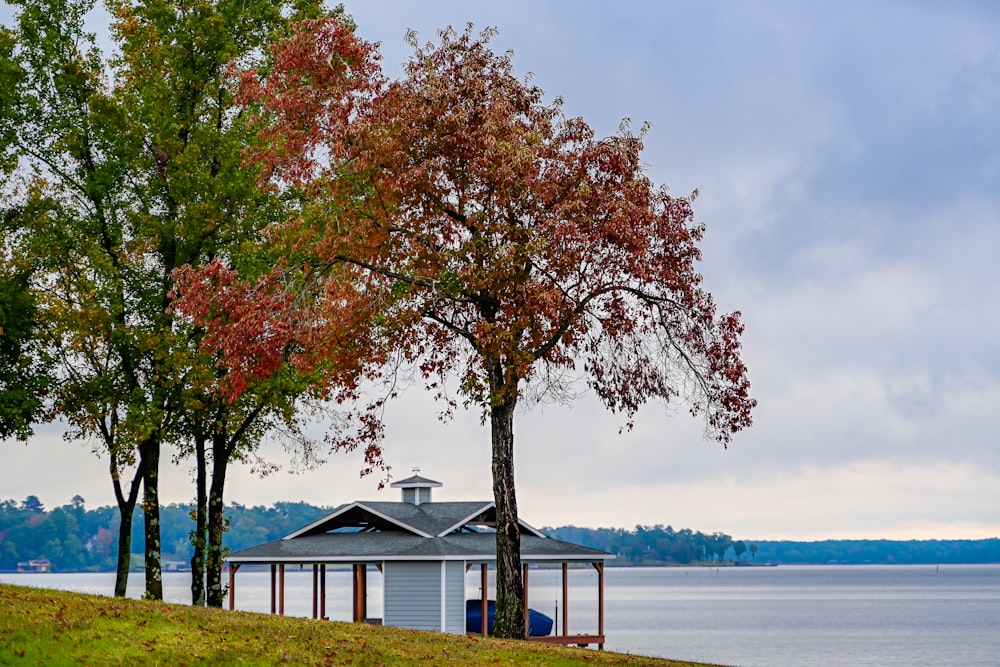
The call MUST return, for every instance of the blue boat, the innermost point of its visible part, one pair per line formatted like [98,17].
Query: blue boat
[539,625]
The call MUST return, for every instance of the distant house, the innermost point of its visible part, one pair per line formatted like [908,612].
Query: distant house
[423,550]
[176,566]
[36,566]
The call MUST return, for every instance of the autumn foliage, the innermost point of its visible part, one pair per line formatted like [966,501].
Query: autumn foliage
[489,221]
[493,240]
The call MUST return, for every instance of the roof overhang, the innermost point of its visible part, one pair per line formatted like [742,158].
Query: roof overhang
[470,558]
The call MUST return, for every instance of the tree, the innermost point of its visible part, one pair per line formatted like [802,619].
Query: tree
[70,145]
[33,505]
[211,211]
[739,548]
[717,544]
[506,244]
[128,169]
[24,369]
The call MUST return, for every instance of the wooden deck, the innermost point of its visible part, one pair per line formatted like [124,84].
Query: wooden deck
[572,640]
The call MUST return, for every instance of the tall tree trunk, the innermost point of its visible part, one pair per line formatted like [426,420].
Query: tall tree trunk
[149,454]
[509,620]
[124,551]
[200,525]
[216,521]
[126,509]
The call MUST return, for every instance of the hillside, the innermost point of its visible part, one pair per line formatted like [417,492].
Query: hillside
[45,627]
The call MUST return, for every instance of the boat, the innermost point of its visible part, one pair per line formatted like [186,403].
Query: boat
[539,625]
[35,566]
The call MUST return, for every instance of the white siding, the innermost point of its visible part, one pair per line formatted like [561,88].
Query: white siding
[455,597]
[412,593]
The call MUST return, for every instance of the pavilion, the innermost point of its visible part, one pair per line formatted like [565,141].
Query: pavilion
[423,550]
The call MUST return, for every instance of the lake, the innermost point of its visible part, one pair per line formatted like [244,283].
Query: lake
[787,616]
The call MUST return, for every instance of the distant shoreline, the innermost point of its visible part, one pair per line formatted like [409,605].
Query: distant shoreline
[610,565]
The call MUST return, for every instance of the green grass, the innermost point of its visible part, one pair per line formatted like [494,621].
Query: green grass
[46,627]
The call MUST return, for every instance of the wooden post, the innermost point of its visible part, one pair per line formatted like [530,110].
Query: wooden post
[600,601]
[232,585]
[322,591]
[360,592]
[274,570]
[354,593]
[281,589]
[565,599]
[315,590]
[527,625]
[363,574]
[484,595]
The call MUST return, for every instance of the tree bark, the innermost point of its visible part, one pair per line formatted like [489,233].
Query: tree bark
[149,454]
[509,621]
[126,509]
[216,521]
[198,535]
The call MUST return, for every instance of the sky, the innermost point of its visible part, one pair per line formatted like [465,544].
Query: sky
[847,156]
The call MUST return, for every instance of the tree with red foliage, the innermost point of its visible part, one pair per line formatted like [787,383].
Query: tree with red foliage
[503,243]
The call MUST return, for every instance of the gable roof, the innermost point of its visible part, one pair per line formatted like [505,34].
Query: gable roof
[425,520]
[366,531]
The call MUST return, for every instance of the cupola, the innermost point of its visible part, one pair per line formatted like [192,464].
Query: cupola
[416,489]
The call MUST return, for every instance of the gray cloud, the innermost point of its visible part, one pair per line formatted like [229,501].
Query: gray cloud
[848,158]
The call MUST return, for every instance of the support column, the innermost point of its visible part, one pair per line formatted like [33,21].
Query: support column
[315,590]
[354,593]
[363,573]
[600,601]
[485,597]
[527,625]
[232,585]
[274,570]
[565,599]
[322,591]
[281,589]
[360,592]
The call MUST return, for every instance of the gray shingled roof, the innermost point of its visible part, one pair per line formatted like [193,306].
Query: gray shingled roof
[370,531]
[425,520]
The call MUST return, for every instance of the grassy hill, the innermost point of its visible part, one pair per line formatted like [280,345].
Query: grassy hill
[46,627]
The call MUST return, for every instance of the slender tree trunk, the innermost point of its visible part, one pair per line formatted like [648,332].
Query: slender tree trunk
[126,510]
[509,621]
[200,525]
[124,551]
[149,453]
[216,521]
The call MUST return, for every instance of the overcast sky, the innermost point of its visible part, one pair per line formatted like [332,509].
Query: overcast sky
[848,160]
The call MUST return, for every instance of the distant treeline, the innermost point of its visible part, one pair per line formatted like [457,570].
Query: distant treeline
[882,551]
[656,545]
[73,538]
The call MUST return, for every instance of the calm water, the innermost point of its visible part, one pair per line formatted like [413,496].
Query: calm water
[793,616]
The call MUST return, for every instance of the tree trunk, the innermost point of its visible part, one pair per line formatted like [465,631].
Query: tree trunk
[216,521]
[509,620]
[124,551]
[149,453]
[126,510]
[200,526]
